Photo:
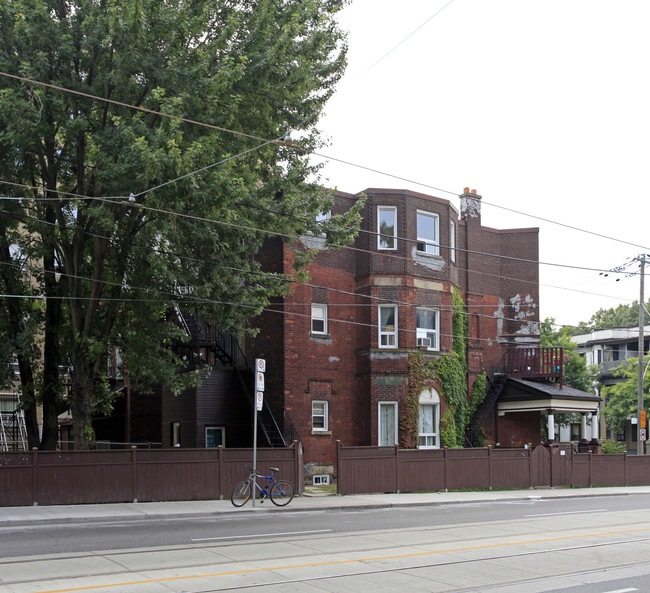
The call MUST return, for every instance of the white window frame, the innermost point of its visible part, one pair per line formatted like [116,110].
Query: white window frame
[429,398]
[380,427]
[387,338]
[384,240]
[220,429]
[428,245]
[452,240]
[319,313]
[318,413]
[427,332]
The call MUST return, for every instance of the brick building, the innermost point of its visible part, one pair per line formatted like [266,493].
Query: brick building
[337,348]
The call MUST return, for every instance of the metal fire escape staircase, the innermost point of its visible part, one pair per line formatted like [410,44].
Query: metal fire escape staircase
[13,432]
[496,384]
[227,350]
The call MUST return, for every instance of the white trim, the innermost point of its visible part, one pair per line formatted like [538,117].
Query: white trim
[379,424]
[221,429]
[429,398]
[387,338]
[425,332]
[315,309]
[324,414]
[381,209]
[429,245]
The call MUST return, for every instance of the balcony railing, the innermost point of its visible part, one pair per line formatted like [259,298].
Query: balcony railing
[535,363]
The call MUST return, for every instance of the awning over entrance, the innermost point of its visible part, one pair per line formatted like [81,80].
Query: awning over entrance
[520,395]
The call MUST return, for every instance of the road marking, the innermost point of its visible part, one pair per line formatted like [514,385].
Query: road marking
[622,590]
[208,539]
[567,513]
[351,561]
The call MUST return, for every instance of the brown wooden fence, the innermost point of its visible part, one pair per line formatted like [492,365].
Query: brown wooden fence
[390,469]
[75,477]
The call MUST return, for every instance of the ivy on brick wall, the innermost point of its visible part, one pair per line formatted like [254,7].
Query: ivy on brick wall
[450,370]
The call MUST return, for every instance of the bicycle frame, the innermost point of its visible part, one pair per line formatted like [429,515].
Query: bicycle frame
[279,492]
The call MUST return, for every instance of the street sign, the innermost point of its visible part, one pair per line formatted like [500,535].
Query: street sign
[260,365]
[259,382]
[260,400]
[644,434]
[643,419]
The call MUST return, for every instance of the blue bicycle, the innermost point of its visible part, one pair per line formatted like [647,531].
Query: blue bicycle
[279,491]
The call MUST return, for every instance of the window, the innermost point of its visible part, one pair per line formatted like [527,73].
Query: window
[387,424]
[429,420]
[324,216]
[175,434]
[215,436]
[318,319]
[386,227]
[427,321]
[388,326]
[428,236]
[452,241]
[319,415]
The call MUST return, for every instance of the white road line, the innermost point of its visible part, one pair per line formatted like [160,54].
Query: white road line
[275,534]
[622,590]
[567,513]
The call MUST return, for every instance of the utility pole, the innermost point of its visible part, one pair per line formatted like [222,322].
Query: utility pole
[641,429]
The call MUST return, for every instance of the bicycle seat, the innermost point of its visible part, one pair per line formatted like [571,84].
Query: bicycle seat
[275,469]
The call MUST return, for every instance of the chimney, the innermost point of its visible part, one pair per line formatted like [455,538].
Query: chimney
[470,205]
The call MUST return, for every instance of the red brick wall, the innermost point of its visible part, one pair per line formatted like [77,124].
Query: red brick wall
[346,368]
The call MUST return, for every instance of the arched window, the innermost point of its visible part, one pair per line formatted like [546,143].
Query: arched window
[429,420]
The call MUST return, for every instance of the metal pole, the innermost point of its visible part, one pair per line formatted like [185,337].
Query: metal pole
[641,447]
[253,488]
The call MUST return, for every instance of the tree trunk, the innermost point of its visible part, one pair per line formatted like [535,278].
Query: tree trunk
[80,398]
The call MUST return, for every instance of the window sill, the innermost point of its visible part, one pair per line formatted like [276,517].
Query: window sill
[321,433]
[314,336]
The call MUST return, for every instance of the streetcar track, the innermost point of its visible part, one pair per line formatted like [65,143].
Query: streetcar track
[376,559]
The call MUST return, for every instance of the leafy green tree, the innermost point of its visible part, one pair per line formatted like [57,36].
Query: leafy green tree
[622,398]
[576,371]
[127,214]
[619,316]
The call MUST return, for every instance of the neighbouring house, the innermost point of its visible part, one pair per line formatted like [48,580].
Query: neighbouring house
[340,349]
[610,348]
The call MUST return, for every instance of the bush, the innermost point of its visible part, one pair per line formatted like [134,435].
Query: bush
[613,447]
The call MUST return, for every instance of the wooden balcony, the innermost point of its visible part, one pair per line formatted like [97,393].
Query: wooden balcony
[535,363]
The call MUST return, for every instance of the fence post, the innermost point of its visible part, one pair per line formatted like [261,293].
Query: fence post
[339,472]
[625,467]
[445,460]
[220,472]
[490,468]
[35,476]
[134,474]
[397,484]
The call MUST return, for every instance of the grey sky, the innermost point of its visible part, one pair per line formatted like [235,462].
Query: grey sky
[542,106]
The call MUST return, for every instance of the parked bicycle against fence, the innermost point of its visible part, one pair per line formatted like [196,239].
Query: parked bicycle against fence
[279,491]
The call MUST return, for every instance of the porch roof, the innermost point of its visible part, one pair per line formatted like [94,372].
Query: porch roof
[520,395]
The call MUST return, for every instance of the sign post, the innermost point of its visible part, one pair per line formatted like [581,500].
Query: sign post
[260,368]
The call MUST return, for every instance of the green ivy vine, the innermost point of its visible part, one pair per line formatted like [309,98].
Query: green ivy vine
[451,373]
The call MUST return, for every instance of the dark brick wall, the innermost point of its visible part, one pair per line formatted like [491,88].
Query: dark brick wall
[345,367]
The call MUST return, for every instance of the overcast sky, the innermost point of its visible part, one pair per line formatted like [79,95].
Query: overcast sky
[542,106]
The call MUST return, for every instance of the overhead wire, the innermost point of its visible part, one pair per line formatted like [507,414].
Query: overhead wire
[305,151]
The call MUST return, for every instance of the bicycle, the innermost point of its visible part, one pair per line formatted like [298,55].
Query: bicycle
[279,491]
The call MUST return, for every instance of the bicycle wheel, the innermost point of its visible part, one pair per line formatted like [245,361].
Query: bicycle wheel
[241,493]
[281,493]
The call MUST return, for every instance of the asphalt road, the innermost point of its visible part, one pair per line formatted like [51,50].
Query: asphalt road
[577,545]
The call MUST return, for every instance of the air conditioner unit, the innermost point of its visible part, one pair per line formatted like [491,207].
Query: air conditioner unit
[424,342]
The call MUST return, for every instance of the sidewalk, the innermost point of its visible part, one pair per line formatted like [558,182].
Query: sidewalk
[39,515]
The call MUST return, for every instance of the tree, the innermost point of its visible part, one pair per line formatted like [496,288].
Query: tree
[619,316]
[622,398]
[126,214]
[576,371]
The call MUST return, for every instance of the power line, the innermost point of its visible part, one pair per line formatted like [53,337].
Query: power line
[305,151]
